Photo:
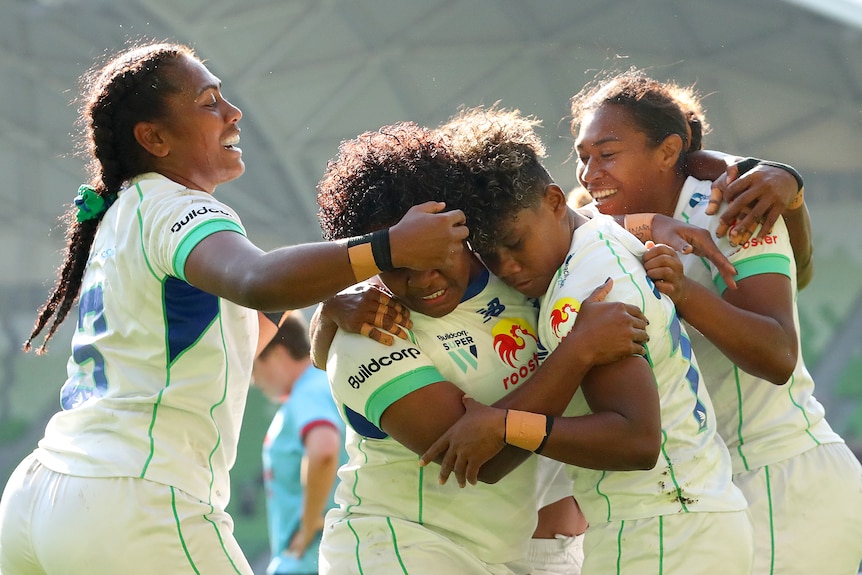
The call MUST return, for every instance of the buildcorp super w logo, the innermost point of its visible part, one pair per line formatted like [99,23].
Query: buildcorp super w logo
[375,364]
[516,343]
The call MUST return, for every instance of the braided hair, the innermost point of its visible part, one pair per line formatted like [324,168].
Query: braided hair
[131,87]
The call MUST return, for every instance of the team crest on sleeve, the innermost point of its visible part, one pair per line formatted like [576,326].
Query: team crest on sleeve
[511,337]
[563,316]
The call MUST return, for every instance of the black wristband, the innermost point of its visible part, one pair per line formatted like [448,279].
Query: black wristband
[549,425]
[787,168]
[749,163]
[381,250]
[505,424]
[356,240]
[746,165]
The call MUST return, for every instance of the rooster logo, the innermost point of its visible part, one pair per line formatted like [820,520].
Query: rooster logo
[563,316]
[511,336]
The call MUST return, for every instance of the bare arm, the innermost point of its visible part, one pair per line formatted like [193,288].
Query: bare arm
[752,325]
[623,432]
[322,447]
[228,265]
[798,224]
[604,333]
[321,332]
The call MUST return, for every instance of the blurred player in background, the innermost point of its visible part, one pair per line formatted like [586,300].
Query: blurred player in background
[303,448]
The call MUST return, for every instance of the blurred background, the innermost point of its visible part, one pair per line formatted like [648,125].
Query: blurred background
[781,79]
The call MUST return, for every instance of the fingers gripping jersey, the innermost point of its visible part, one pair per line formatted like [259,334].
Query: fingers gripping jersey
[761,423]
[693,469]
[159,370]
[487,346]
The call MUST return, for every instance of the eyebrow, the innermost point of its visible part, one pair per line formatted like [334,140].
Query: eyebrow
[607,140]
[208,87]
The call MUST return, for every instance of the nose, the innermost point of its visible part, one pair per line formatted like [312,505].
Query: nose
[234,114]
[587,170]
[502,264]
[421,279]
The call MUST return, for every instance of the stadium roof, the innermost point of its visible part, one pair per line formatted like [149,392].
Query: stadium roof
[783,80]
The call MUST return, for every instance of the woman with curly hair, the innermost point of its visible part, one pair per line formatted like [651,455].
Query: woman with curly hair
[639,435]
[470,335]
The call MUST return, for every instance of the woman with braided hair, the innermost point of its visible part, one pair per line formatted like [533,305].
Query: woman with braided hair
[132,475]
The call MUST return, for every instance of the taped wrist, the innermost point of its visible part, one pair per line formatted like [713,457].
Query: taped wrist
[370,254]
[526,430]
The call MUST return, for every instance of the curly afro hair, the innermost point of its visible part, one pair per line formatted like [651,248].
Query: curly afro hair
[377,176]
[502,150]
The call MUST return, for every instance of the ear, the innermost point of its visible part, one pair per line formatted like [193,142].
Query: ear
[150,138]
[555,199]
[668,152]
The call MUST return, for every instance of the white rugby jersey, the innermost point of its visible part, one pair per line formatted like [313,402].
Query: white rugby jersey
[761,423]
[159,371]
[486,346]
[693,470]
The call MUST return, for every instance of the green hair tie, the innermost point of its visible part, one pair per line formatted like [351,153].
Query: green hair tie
[90,204]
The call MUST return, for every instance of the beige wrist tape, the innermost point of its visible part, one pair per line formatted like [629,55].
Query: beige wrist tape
[362,261]
[525,429]
[798,200]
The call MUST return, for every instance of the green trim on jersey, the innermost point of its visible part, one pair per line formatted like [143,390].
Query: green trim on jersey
[221,400]
[180,531]
[141,235]
[395,545]
[194,237]
[771,520]
[399,387]
[761,264]
[356,549]
[789,390]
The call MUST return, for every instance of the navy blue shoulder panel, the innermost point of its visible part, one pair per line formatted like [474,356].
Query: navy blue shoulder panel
[362,426]
[189,311]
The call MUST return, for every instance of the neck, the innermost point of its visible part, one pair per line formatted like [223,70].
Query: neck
[674,190]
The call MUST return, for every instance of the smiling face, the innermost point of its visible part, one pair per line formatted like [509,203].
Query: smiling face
[195,143]
[434,293]
[618,165]
[533,244]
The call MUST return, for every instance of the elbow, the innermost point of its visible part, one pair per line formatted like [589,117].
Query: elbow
[784,368]
[646,456]
[641,452]
[780,376]
[490,477]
